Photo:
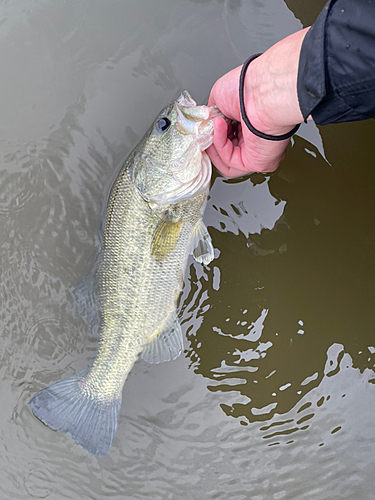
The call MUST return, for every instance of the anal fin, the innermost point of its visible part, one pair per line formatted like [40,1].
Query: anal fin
[167,345]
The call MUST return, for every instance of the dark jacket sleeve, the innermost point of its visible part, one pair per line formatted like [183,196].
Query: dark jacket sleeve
[336,74]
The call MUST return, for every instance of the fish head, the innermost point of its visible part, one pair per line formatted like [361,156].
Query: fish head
[170,164]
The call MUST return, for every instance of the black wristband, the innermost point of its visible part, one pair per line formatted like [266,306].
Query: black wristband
[243,112]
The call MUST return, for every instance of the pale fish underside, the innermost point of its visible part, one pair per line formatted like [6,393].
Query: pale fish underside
[152,222]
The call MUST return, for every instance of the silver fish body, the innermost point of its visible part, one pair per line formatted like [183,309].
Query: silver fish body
[152,222]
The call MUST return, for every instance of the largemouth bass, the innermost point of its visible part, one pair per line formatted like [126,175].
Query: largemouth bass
[152,222]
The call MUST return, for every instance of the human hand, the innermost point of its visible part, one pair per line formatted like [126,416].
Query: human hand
[271,105]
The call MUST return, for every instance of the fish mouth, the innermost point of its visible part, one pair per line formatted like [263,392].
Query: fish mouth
[192,171]
[197,120]
[185,99]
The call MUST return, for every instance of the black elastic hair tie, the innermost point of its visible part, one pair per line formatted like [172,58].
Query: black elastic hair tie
[243,112]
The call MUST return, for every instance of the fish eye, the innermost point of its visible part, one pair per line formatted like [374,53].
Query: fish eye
[163,124]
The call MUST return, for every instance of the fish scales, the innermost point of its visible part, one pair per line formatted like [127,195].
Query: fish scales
[152,223]
[133,308]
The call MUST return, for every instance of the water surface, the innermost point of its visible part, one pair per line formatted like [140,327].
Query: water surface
[273,397]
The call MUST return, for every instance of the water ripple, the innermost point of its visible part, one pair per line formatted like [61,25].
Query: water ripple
[39,479]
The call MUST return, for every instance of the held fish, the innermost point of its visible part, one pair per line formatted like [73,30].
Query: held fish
[152,222]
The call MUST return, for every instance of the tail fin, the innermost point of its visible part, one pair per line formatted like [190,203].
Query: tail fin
[66,407]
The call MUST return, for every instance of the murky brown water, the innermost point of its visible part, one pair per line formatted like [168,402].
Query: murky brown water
[274,396]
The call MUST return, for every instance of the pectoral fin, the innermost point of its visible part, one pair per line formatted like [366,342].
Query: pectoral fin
[166,345]
[201,245]
[165,236]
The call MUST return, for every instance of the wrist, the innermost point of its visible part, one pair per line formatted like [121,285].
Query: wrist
[271,99]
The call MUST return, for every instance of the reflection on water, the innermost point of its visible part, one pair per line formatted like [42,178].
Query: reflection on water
[283,300]
[274,395]
[240,202]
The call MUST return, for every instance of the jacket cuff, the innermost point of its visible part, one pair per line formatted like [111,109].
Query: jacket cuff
[311,80]
[336,79]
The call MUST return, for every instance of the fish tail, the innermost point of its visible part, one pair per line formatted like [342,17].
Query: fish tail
[68,408]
